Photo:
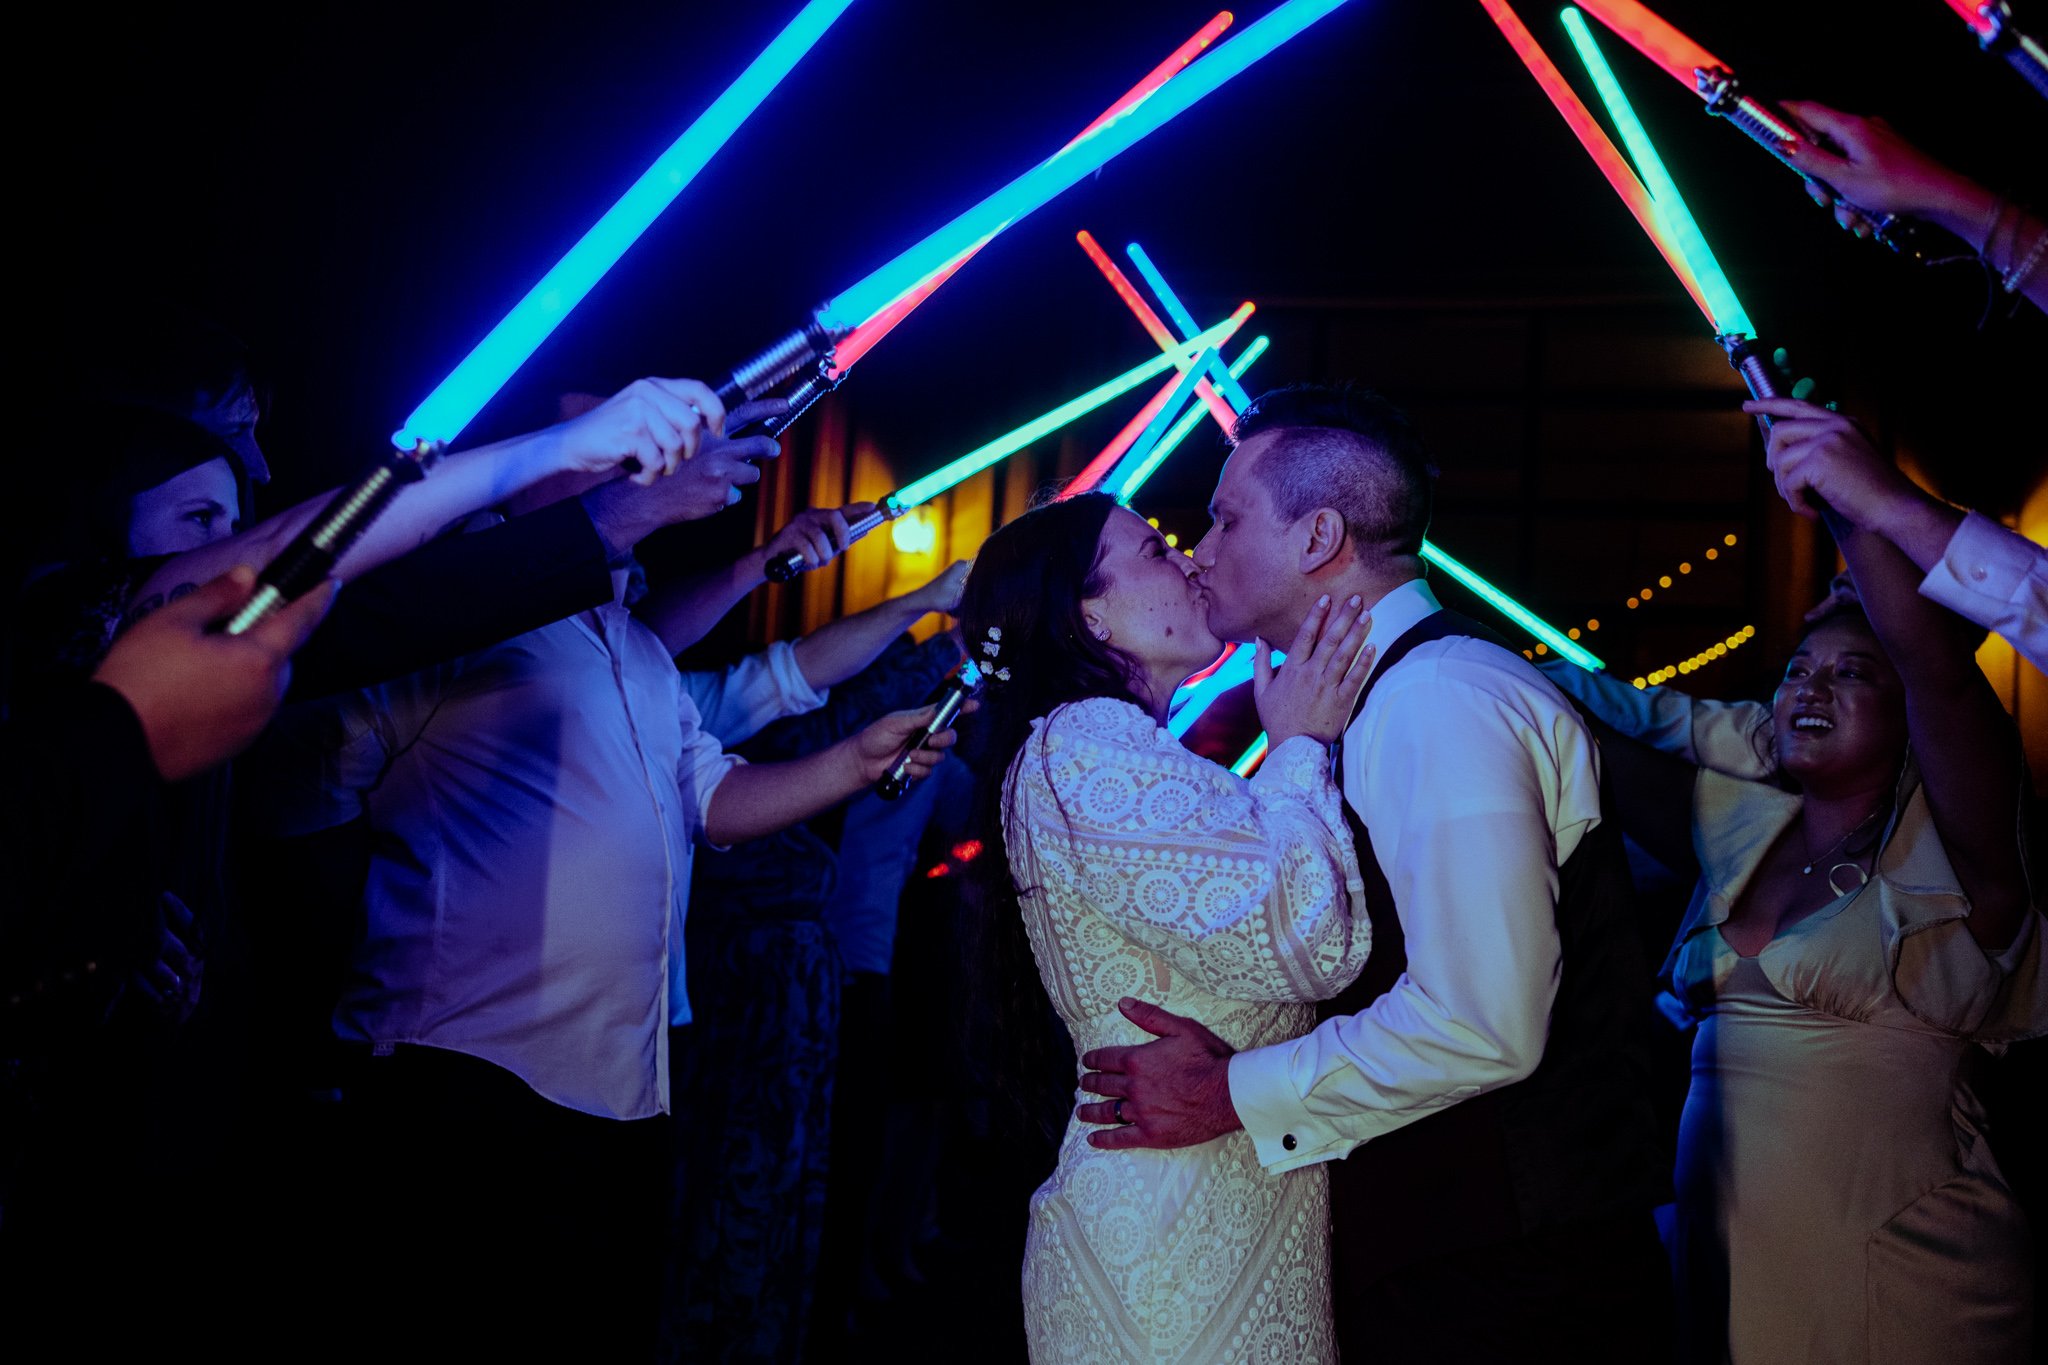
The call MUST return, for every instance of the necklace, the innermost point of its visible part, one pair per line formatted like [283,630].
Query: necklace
[1836,847]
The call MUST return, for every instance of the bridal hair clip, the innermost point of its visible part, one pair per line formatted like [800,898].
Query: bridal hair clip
[992,646]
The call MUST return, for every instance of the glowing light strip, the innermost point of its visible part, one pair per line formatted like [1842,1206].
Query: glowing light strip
[455,402]
[1251,758]
[864,337]
[1155,431]
[1514,611]
[1234,671]
[1606,156]
[1723,310]
[1182,319]
[1656,39]
[1055,175]
[1148,464]
[1226,416]
[1092,472]
[981,457]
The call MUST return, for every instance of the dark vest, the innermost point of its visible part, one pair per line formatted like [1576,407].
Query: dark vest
[1576,1139]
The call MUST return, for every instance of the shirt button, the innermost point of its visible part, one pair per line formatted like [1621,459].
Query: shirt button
[1979,573]
[1287,1141]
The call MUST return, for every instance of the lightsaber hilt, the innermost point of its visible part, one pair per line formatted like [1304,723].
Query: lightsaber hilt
[1753,360]
[2022,53]
[1770,127]
[959,685]
[787,567]
[776,365]
[822,379]
[310,558]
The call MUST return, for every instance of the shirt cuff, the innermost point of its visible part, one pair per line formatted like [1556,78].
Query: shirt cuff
[1282,1132]
[795,689]
[1982,559]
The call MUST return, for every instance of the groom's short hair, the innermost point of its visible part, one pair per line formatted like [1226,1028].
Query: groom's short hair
[1348,449]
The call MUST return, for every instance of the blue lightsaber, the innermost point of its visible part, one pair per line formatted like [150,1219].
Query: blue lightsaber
[455,402]
[1156,429]
[311,556]
[1144,465]
[1059,172]
[1226,383]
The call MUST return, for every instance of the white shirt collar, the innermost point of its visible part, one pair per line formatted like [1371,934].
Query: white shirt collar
[1393,615]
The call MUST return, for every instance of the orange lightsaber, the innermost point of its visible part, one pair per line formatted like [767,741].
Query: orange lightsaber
[1154,326]
[863,338]
[1097,469]
[1598,145]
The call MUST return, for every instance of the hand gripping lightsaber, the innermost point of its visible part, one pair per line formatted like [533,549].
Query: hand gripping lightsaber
[1768,125]
[958,470]
[955,690]
[313,553]
[1752,358]
[1991,21]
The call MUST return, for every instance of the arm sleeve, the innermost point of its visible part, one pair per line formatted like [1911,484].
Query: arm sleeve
[1475,796]
[1997,578]
[453,597]
[734,703]
[1248,888]
[1707,734]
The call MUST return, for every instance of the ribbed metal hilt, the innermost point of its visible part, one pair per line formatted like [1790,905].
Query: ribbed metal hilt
[776,364]
[958,687]
[1770,127]
[310,558]
[787,567]
[1753,360]
[2021,52]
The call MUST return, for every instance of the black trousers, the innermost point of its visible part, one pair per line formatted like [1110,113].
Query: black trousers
[1585,1292]
[487,1218]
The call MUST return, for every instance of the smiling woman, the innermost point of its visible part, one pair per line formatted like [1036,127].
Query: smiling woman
[1862,925]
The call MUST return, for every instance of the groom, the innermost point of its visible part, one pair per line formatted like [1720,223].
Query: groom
[1485,1082]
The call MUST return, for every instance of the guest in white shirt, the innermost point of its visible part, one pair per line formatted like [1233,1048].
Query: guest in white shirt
[1485,1078]
[1976,568]
[534,809]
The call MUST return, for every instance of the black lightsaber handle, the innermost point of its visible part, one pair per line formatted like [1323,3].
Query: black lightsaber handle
[309,559]
[2021,52]
[1769,126]
[897,780]
[820,381]
[1753,360]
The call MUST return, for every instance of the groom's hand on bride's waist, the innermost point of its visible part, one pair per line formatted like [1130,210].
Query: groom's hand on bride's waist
[1173,1092]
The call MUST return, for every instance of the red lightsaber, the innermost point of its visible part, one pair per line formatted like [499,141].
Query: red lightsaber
[858,342]
[1991,21]
[1608,157]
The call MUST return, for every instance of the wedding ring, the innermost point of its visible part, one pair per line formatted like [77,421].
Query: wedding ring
[1118,1110]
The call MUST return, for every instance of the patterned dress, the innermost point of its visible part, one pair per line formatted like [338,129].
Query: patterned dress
[1150,872]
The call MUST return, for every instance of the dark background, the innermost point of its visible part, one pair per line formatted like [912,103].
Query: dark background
[361,191]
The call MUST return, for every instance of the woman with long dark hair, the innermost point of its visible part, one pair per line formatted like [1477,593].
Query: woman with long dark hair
[1134,867]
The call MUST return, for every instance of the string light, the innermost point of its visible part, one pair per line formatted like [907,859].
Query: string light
[1712,653]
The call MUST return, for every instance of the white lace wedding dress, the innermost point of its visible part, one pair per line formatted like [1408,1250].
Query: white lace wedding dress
[1151,872]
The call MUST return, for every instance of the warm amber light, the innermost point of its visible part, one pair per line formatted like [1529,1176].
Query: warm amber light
[1542,649]
[1647,594]
[1713,553]
[1573,633]
[1728,539]
[1632,604]
[1684,567]
[1593,625]
[1664,581]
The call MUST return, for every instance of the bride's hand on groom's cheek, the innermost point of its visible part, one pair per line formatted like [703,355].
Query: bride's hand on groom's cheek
[1173,1092]
[1313,692]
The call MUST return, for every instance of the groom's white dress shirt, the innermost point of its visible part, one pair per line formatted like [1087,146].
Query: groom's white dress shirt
[1475,779]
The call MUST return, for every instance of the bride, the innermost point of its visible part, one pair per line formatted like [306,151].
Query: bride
[1137,868]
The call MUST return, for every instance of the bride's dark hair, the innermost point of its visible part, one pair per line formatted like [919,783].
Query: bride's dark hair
[1028,583]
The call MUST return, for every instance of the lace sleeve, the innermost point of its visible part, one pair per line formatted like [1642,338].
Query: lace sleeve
[1250,889]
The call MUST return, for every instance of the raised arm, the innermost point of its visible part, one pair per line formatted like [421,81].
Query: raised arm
[658,422]
[681,613]
[1721,735]
[839,649]
[1961,738]
[754,799]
